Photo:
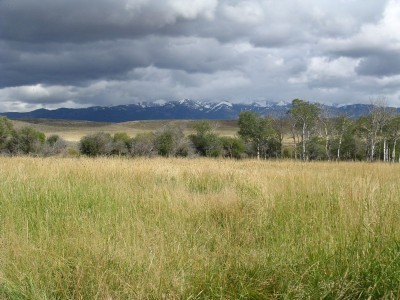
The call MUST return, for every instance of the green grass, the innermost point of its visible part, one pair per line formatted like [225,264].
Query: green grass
[198,229]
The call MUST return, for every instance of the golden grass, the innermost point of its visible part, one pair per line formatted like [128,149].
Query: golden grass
[197,228]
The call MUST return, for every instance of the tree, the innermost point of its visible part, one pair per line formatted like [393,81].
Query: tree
[6,132]
[233,147]
[392,132]
[213,145]
[282,127]
[255,129]
[304,115]
[205,141]
[371,127]
[316,148]
[341,126]
[326,130]
[165,143]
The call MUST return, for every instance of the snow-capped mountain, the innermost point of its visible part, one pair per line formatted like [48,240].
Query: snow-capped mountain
[185,109]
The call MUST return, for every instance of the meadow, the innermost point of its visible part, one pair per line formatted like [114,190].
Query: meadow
[73,131]
[114,228]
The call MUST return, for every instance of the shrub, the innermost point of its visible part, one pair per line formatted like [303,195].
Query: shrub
[171,141]
[27,140]
[143,145]
[122,143]
[96,144]
[54,145]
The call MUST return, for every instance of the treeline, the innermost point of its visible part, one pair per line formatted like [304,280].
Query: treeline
[315,135]
[305,132]
[28,141]
[169,141]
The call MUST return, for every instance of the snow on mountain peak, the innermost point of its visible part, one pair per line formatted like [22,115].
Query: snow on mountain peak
[260,103]
[191,103]
[160,102]
[223,103]
[282,103]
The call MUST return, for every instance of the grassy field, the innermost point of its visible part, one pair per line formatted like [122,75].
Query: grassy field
[198,229]
[73,131]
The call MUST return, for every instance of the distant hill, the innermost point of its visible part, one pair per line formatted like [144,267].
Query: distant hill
[177,110]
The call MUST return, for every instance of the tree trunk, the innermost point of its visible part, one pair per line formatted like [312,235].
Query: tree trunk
[303,138]
[327,150]
[394,151]
[372,150]
[294,142]
[340,145]
[385,151]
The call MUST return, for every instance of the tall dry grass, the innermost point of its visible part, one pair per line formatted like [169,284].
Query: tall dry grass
[198,229]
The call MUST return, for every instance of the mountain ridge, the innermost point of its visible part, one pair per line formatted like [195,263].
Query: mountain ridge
[180,110]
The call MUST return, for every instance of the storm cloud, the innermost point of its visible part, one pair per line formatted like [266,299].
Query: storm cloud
[58,53]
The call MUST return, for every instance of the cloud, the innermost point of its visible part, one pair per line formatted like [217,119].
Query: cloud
[85,20]
[76,53]
[373,38]
[380,65]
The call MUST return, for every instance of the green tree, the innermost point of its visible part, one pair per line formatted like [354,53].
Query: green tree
[392,132]
[304,116]
[281,125]
[316,148]
[342,127]
[205,140]
[371,128]
[165,143]
[255,129]
[6,132]
[233,146]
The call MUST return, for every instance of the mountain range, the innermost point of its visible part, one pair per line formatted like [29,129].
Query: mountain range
[180,110]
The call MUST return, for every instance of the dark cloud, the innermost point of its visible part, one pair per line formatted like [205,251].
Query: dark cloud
[86,52]
[72,63]
[88,20]
[384,65]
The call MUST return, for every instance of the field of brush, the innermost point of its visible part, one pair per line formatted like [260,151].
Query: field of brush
[73,131]
[198,229]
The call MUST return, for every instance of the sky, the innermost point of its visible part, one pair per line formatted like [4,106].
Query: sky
[80,53]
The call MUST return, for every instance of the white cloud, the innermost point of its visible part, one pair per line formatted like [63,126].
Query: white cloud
[38,95]
[372,37]
[249,12]
[194,8]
